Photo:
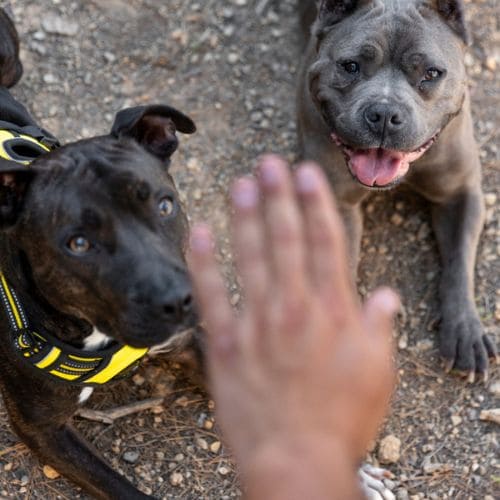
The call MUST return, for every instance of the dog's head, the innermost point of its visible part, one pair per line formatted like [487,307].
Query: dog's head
[100,228]
[387,78]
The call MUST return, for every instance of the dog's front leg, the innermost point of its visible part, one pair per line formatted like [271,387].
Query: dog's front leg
[458,224]
[60,446]
[353,222]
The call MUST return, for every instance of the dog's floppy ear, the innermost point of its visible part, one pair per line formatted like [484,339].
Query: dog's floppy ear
[453,12]
[14,181]
[333,11]
[154,127]
[11,68]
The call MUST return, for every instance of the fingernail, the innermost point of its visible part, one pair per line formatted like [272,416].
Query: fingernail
[201,239]
[270,172]
[307,180]
[245,193]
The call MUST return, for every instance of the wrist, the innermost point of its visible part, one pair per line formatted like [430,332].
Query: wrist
[309,467]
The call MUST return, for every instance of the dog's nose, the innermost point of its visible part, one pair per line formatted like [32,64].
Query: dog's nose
[177,306]
[383,118]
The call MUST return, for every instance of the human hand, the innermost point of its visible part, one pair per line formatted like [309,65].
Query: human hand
[304,366]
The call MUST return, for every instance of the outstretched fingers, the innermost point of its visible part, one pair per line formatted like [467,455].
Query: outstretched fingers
[250,246]
[327,256]
[210,291]
[283,223]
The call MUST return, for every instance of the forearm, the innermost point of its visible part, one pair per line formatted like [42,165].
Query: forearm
[318,472]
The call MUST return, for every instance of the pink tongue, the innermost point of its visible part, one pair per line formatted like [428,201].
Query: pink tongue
[377,166]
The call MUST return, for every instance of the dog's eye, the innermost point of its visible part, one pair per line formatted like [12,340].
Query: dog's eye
[351,67]
[79,244]
[432,74]
[166,206]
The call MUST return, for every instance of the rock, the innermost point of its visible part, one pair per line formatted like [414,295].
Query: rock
[138,379]
[215,447]
[49,78]
[59,26]
[176,479]
[50,473]
[430,469]
[494,388]
[389,450]
[131,457]
[202,443]
[456,420]
[491,63]
[223,470]
[233,58]
[397,219]
[492,415]
[402,494]
[490,199]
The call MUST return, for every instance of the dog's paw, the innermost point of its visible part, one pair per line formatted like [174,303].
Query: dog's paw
[465,348]
[372,485]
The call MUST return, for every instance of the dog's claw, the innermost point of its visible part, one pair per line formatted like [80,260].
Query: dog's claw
[448,365]
[486,376]
[471,377]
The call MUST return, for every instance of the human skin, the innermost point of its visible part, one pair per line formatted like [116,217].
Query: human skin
[303,375]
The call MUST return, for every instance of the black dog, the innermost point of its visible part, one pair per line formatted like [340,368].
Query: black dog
[92,269]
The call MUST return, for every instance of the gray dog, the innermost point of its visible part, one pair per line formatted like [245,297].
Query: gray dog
[383,100]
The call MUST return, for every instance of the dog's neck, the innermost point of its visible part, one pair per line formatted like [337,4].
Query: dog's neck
[42,316]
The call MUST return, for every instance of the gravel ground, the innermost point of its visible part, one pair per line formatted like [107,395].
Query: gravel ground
[231,65]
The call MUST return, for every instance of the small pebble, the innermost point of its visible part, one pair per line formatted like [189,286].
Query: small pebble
[131,457]
[176,479]
[402,494]
[389,450]
[59,26]
[138,379]
[223,470]
[50,473]
[490,199]
[494,388]
[491,63]
[215,447]
[397,219]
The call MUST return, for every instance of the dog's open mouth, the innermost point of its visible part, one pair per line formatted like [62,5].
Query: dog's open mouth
[379,167]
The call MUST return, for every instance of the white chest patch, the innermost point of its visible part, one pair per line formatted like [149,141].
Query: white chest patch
[85,394]
[96,340]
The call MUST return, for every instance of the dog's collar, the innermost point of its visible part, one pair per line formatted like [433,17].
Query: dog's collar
[59,361]
[24,144]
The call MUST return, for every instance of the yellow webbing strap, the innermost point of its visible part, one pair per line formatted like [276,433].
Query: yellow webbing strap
[68,364]
[119,362]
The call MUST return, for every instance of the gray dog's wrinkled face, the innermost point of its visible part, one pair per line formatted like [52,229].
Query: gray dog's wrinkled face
[387,79]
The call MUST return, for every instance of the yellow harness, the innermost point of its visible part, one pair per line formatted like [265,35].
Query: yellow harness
[46,353]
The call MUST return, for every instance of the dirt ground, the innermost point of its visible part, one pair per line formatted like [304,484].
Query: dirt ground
[231,65]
